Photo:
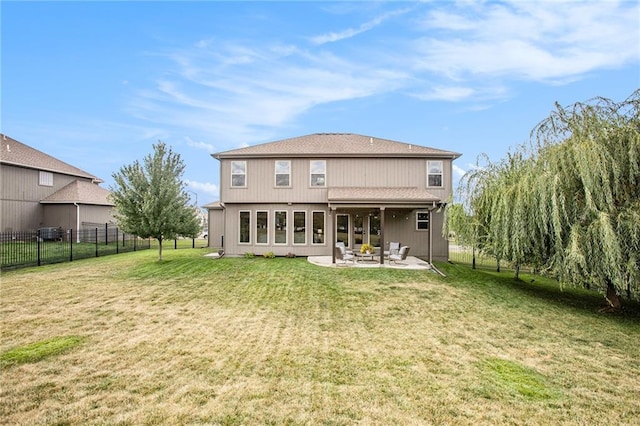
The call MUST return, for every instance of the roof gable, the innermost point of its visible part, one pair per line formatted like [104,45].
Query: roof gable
[81,192]
[18,154]
[336,145]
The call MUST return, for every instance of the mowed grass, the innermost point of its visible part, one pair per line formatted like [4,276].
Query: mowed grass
[193,340]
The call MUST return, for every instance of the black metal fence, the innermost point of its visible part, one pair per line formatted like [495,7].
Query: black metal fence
[55,245]
[476,259]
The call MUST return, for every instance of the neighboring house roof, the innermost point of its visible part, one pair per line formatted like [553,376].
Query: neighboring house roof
[336,145]
[81,192]
[404,195]
[216,205]
[18,154]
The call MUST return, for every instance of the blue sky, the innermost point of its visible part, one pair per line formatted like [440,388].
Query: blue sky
[96,84]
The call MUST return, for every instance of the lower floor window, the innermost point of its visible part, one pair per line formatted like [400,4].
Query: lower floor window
[262,227]
[245,227]
[422,221]
[318,228]
[299,227]
[281,227]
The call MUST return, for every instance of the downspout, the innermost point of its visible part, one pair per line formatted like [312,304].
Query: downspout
[77,222]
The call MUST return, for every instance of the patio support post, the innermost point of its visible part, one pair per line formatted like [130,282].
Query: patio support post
[430,236]
[334,235]
[382,235]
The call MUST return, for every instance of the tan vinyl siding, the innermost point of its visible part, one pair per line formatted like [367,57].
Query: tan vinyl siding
[232,224]
[347,172]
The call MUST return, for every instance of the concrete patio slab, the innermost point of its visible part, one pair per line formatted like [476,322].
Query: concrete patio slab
[411,262]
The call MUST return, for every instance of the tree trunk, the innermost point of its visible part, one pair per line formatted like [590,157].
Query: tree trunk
[615,303]
[159,249]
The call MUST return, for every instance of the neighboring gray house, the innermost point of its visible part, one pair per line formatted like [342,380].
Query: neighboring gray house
[303,194]
[39,191]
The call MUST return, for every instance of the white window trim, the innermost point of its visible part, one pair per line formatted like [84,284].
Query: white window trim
[306,227]
[419,221]
[324,228]
[286,233]
[240,225]
[275,173]
[267,228]
[237,174]
[441,174]
[45,178]
[311,185]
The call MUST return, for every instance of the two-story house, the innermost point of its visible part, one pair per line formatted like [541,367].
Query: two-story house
[301,195]
[39,191]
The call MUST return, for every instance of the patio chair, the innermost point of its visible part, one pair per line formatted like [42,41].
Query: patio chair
[341,254]
[394,248]
[341,244]
[402,255]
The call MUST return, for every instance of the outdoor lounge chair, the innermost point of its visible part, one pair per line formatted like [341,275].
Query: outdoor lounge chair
[394,248]
[341,254]
[402,255]
[341,244]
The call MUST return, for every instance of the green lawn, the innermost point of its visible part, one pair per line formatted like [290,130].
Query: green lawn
[127,340]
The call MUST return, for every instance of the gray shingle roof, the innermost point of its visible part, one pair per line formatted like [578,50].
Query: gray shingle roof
[81,192]
[18,154]
[338,145]
[376,194]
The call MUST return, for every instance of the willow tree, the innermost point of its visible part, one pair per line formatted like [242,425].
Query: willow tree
[570,201]
[588,184]
[151,200]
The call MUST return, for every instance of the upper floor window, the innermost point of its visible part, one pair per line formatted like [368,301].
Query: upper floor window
[283,173]
[239,173]
[318,170]
[46,179]
[434,173]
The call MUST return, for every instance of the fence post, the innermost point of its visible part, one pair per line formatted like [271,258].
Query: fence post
[117,243]
[71,245]
[106,234]
[38,243]
[96,242]
[135,240]
[175,244]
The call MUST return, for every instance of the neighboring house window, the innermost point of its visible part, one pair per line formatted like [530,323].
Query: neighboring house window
[422,221]
[283,173]
[245,227]
[434,173]
[318,169]
[299,227]
[281,227]
[318,228]
[239,173]
[46,179]
[262,227]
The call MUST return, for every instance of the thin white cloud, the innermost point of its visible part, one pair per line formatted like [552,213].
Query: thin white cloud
[207,188]
[351,32]
[542,41]
[458,171]
[211,149]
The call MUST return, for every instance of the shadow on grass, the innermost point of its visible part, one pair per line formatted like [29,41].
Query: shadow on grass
[535,287]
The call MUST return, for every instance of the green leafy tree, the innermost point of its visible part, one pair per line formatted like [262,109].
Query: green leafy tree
[570,202]
[150,198]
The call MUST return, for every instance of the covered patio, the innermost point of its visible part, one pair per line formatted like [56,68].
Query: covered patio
[380,215]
